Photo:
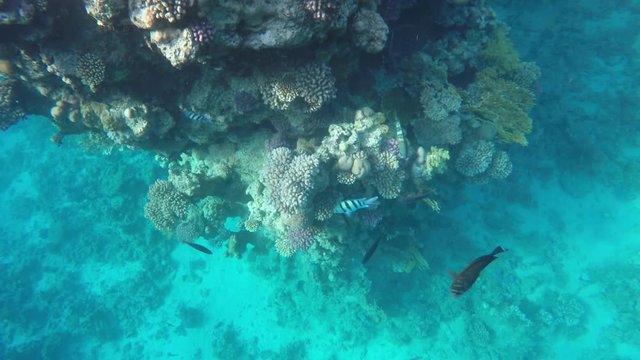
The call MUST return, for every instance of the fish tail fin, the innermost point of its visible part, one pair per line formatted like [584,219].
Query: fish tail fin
[371,202]
[498,250]
[453,274]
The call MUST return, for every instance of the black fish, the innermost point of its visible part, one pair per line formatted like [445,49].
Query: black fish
[464,280]
[199,247]
[371,250]
[407,199]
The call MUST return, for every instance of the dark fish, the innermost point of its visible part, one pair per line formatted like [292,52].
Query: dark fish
[413,198]
[464,280]
[371,250]
[199,247]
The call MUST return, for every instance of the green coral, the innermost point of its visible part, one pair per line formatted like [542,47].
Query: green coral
[502,103]
[500,54]
[502,93]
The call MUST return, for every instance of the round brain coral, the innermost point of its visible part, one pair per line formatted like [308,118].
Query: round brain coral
[475,158]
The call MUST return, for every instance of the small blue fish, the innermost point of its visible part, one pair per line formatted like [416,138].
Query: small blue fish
[350,206]
[202,118]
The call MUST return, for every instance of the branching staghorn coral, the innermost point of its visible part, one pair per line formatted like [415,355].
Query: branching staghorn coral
[475,158]
[290,181]
[387,176]
[480,162]
[313,83]
[10,110]
[301,237]
[165,206]
[91,70]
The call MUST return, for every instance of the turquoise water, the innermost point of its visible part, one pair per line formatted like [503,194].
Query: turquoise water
[87,276]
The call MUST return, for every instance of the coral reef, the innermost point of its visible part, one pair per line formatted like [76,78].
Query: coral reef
[272,112]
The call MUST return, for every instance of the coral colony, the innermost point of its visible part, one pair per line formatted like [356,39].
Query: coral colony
[347,107]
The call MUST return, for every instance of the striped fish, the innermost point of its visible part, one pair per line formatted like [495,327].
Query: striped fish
[193,116]
[350,206]
[402,143]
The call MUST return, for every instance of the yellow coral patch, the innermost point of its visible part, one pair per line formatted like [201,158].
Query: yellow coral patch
[504,104]
[500,54]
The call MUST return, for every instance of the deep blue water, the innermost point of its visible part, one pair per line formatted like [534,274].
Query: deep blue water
[85,275]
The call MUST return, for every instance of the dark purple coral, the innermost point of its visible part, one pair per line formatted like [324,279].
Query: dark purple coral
[201,32]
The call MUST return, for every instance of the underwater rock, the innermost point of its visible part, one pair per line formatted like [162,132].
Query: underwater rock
[176,45]
[369,31]
[107,13]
